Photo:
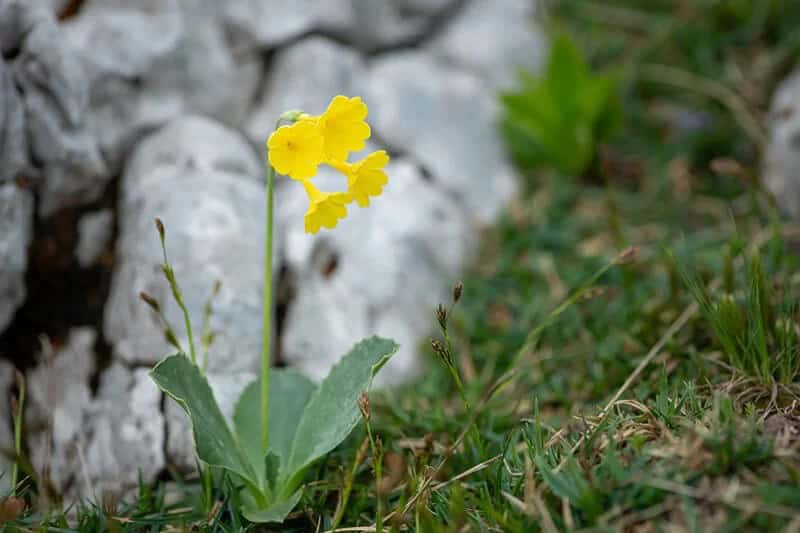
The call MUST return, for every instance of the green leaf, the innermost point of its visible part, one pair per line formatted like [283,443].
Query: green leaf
[215,444]
[289,392]
[333,412]
[277,512]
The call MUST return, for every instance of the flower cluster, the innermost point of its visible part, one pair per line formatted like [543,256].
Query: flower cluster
[298,149]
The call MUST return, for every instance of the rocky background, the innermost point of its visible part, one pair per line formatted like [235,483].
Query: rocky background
[113,112]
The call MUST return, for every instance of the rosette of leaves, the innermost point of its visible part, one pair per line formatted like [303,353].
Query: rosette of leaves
[305,423]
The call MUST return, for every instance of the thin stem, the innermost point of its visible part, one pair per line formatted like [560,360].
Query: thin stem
[169,273]
[377,459]
[267,325]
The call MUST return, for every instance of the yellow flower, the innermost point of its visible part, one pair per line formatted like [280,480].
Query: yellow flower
[342,126]
[297,150]
[365,178]
[325,208]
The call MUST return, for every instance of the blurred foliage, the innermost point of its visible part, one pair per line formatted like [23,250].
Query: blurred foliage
[559,118]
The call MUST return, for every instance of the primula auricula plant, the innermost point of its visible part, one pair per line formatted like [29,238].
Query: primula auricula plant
[282,422]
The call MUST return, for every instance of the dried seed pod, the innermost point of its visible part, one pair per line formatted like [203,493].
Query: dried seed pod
[458,288]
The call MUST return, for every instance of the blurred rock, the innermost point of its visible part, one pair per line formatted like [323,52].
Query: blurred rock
[380,272]
[152,61]
[6,428]
[16,217]
[180,444]
[364,24]
[508,37]
[94,233]
[205,182]
[55,93]
[304,76]
[59,399]
[13,134]
[445,119]
[93,446]
[782,166]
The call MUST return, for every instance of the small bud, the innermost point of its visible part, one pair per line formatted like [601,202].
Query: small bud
[441,316]
[627,255]
[441,351]
[149,300]
[217,287]
[160,228]
[458,288]
[363,405]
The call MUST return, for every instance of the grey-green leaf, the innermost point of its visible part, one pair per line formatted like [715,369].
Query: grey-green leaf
[215,444]
[289,392]
[277,512]
[332,412]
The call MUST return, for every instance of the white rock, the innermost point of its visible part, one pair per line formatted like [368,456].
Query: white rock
[13,133]
[55,92]
[16,214]
[94,233]
[59,400]
[304,76]
[445,119]
[493,38]
[94,445]
[381,271]
[205,182]
[782,166]
[152,61]
[365,24]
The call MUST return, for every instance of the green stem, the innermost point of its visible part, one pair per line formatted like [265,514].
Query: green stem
[267,325]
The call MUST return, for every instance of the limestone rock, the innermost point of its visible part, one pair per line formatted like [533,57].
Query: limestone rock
[445,119]
[782,166]
[305,76]
[16,214]
[13,134]
[55,93]
[205,182]
[493,38]
[94,445]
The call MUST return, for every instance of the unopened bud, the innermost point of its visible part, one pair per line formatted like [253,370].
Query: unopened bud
[363,405]
[441,316]
[458,288]
[160,228]
[627,255]
[441,351]
[149,300]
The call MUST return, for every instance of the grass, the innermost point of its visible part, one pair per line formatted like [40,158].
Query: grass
[664,396]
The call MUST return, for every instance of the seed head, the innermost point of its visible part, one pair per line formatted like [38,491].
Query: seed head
[149,300]
[363,405]
[628,255]
[441,351]
[458,288]
[160,228]
[441,316]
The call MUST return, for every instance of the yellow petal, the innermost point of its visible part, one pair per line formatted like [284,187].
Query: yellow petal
[366,178]
[325,208]
[343,127]
[297,150]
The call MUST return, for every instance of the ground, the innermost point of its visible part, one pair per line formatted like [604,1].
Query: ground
[611,401]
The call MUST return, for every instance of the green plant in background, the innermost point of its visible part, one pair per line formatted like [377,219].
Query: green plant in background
[560,118]
[282,422]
